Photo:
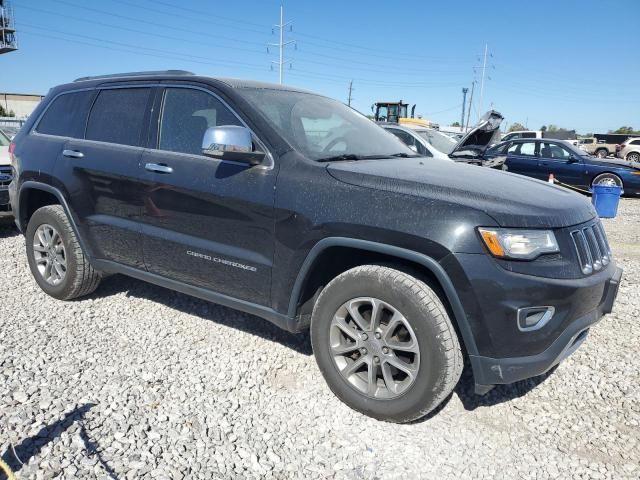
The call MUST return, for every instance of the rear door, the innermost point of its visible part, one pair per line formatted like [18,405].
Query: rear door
[103,174]
[522,158]
[207,222]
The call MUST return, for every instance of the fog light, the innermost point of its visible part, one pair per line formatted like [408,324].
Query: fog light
[534,318]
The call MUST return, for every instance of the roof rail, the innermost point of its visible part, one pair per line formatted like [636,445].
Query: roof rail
[136,74]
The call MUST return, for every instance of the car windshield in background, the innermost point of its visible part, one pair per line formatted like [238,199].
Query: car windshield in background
[440,141]
[322,128]
[4,140]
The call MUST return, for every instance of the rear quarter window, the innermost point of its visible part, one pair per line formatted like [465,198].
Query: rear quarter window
[66,116]
[118,116]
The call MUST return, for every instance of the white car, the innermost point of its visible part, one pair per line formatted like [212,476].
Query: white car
[417,139]
[5,176]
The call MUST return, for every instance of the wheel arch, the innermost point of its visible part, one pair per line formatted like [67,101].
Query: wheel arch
[33,195]
[605,172]
[334,255]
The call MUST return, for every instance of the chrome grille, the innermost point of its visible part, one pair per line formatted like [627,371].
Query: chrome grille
[592,248]
[6,175]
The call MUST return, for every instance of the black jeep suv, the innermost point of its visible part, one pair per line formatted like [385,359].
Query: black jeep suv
[295,208]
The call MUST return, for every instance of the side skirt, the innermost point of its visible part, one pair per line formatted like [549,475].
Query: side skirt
[282,321]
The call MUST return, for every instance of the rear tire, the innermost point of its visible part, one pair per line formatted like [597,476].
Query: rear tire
[55,257]
[414,353]
[602,153]
[608,180]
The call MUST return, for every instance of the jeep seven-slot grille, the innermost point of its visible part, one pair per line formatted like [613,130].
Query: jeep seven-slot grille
[592,248]
[5,176]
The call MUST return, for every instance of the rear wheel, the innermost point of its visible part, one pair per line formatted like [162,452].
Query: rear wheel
[602,153]
[634,157]
[607,180]
[385,344]
[55,257]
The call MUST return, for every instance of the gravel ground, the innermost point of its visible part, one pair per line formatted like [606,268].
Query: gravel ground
[140,382]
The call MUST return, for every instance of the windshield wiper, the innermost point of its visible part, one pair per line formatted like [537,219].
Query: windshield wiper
[338,158]
[404,155]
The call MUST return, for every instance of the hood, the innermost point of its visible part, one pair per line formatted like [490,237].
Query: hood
[618,162]
[481,136]
[511,200]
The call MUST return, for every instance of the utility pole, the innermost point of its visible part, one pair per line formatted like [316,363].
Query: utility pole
[464,104]
[281,44]
[350,91]
[473,87]
[484,68]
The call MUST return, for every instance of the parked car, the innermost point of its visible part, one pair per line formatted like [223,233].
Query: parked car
[5,176]
[538,158]
[10,131]
[241,193]
[468,149]
[597,147]
[630,150]
[416,139]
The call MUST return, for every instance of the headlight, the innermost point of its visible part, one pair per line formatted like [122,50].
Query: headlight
[518,244]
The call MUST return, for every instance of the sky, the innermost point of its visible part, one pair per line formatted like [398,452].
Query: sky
[571,63]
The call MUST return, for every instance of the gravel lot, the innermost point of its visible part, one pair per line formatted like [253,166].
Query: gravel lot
[140,382]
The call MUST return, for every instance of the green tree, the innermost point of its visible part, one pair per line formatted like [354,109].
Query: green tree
[455,124]
[627,130]
[516,126]
[3,112]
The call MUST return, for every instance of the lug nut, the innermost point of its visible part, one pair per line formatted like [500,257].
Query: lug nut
[364,336]
[378,335]
[376,360]
[363,351]
[385,350]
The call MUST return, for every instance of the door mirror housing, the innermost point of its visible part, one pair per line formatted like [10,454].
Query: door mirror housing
[230,142]
[573,159]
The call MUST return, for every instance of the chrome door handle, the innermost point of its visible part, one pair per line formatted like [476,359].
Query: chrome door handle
[158,168]
[72,153]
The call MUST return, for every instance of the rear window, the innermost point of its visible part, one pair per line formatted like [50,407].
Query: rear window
[67,115]
[117,116]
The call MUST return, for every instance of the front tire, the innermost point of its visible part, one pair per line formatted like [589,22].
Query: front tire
[385,344]
[607,180]
[55,257]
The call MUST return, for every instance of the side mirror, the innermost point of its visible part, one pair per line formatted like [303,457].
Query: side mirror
[573,159]
[230,142]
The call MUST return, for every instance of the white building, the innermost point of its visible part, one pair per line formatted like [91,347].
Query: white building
[20,104]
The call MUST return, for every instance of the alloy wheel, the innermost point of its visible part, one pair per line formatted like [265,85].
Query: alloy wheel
[49,254]
[634,157]
[374,348]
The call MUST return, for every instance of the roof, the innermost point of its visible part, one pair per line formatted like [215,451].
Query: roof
[230,82]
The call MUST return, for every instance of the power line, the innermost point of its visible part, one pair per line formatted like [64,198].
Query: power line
[282,44]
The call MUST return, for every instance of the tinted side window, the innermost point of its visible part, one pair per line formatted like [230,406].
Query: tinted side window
[556,152]
[67,115]
[186,115]
[117,116]
[635,142]
[528,135]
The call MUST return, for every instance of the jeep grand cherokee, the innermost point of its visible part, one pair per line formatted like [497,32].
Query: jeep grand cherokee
[293,207]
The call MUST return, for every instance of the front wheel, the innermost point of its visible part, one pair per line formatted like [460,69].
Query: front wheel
[607,180]
[385,344]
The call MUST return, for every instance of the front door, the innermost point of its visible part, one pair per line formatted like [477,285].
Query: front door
[104,178]
[207,222]
[559,161]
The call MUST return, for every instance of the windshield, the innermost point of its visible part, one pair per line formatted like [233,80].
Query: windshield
[4,140]
[440,142]
[321,128]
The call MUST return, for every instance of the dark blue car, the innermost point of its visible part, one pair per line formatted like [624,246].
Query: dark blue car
[538,158]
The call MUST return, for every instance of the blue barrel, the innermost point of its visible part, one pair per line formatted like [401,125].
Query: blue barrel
[605,199]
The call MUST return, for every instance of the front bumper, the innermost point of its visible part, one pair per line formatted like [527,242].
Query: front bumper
[5,204]
[491,371]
